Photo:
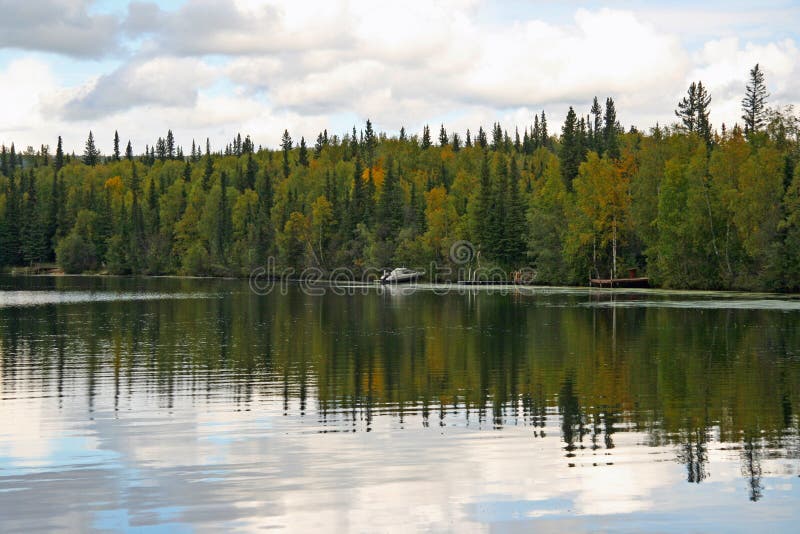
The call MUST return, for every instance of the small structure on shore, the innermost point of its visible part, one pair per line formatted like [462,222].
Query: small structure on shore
[631,281]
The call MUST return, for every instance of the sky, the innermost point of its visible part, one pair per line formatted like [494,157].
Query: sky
[210,69]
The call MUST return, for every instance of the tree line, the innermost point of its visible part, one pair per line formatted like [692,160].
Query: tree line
[690,205]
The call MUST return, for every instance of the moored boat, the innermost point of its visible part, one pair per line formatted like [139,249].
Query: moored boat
[400,275]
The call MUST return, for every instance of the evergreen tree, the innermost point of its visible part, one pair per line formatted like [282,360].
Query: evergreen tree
[456,142]
[482,141]
[515,224]
[687,109]
[754,111]
[703,123]
[286,146]
[390,205]
[116,146]
[90,153]
[484,212]
[209,169]
[251,169]
[597,126]
[370,143]
[10,236]
[58,160]
[402,133]
[468,141]
[134,227]
[302,155]
[358,198]
[497,136]
[570,150]
[318,146]
[129,151]
[170,145]
[161,150]
[52,216]
[4,168]
[443,141]
[32,236]
[223,229]
[544,137]
[426,137]
[611,130]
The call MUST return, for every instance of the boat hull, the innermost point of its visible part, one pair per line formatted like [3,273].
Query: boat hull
[401,279]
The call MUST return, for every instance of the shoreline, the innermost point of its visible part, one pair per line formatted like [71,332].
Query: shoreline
[428,286]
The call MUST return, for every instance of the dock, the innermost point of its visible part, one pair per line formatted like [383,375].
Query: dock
[620,282]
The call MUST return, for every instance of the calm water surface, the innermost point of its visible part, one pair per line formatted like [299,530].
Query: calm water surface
[194,405]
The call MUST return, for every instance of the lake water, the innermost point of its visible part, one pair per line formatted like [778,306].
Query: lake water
[196,405]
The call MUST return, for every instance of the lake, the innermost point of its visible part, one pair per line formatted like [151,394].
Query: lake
[197,405]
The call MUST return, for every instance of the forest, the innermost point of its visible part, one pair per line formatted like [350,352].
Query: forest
[687,204]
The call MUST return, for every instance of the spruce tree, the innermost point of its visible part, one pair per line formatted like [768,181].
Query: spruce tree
[170,145]
[129,151]
[52,216]
[250,171]
[224,223]
[302,155]
[318,146]
[544,137]
[468,141]
[515,222]
[161,149]
[754,111]
[497,136]
[610,130]
[570,150]
[703,123]
[116,146]
[597,126]
[209,168]
[484,211]
[687,109]
[370,142]
[443,141]
[426,137]
[390,205]
[10,239]
[358,200]
[58,161]
[482,141]
[90,152]
[286,146]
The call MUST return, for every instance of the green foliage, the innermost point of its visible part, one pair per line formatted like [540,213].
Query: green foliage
[75,254]
[684,207]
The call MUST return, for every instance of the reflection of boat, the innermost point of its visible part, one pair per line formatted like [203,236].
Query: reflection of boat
[400,275]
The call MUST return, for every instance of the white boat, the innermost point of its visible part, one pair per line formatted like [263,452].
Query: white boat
[399,275]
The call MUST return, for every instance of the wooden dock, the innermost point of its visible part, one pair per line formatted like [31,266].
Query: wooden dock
[620,282]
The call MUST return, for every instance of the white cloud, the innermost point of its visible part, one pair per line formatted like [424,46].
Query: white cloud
[161,81]
[248,65]
[23,84]
[62,26]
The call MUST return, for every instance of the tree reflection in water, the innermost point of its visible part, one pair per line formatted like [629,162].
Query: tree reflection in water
[689,377]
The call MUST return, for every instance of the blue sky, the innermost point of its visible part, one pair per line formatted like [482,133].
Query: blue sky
[208,69]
